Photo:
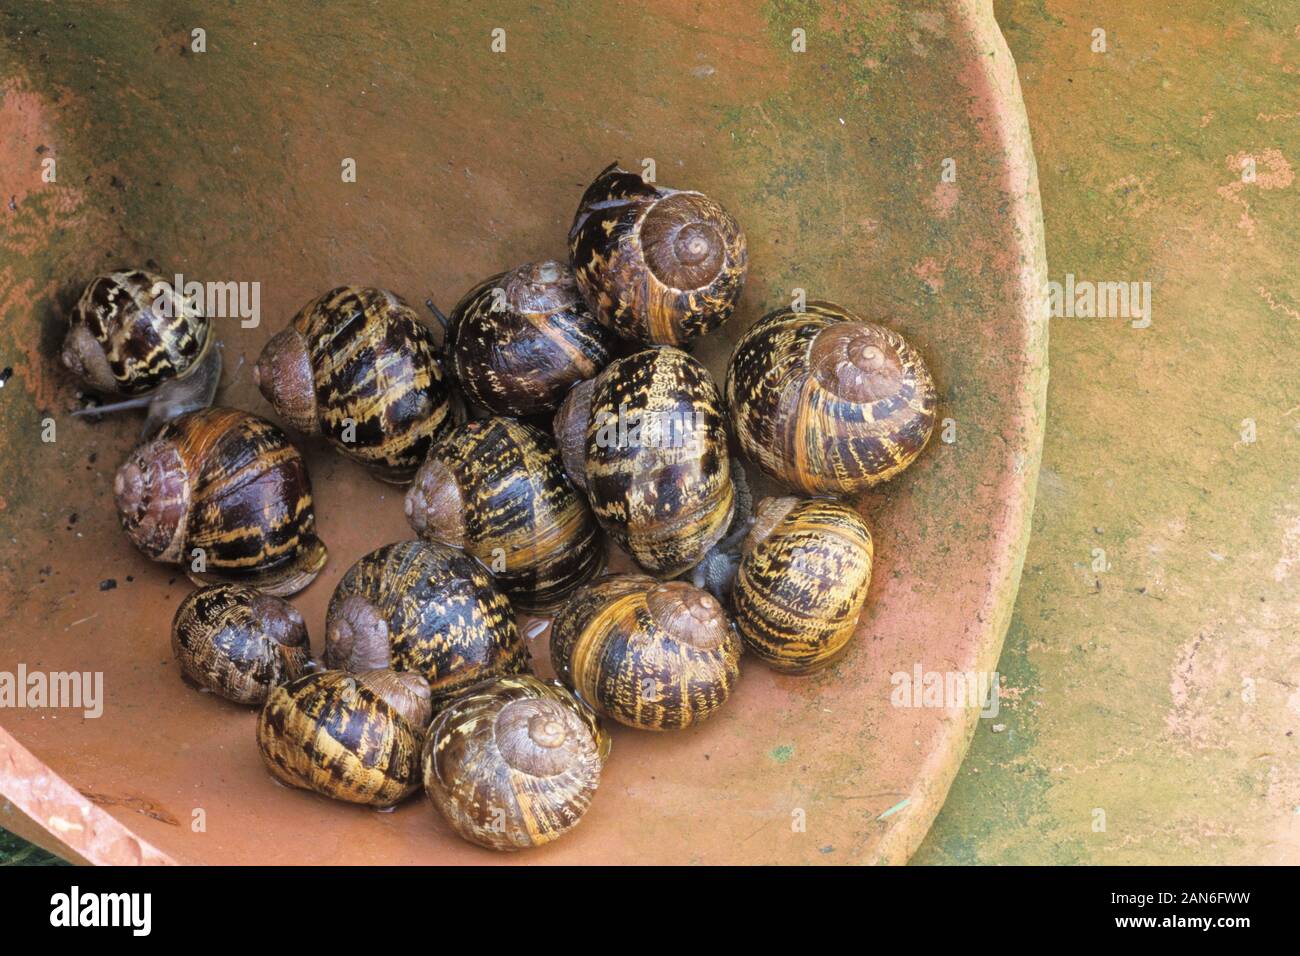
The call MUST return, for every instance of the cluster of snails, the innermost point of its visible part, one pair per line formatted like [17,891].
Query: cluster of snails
[581,419]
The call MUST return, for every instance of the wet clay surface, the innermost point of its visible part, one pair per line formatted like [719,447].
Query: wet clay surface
[226,165]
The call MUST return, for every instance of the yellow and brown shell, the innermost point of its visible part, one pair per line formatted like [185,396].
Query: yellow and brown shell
[650,654]
[656,265]
[802,582]
[656,466]
[519,340]
[496,488]
[224,494]
[514,762]
[239,642]
[357,366]
[826,402]
[423,607]
[353,737]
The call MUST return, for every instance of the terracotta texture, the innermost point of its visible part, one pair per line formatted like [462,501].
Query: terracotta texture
[225,165]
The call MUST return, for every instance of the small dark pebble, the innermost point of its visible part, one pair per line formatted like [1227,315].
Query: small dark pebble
[129,579]
[42,148]
[108,584]
[5,374]
[92,456]
[72,518]
[171,581]
[116,183]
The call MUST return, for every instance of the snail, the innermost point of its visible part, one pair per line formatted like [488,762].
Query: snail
[656,467]
[649,654]
[238,642]
[423,607]
[225,494]
[802,582]
[517,341]
[826,402]
[353,737]
[496,488]
[513,763]
[656,265]
[357,366]
[132,335]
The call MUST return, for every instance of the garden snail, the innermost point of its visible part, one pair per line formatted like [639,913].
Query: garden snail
[802,582]
[826,402]
[353,737]
[655,465]
[657,265]
[650,654]
[514,762]
[496,488]
[238,642]
[132,335]
[226,495]
[423,607]
[517,341]
[358,367]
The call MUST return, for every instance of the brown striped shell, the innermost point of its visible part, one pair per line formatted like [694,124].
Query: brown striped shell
[656,466]
[239,642]
[224,494]
[357,366]
[657,265]
[519,340]
[650,654]
[353,737]
[826,402]
[802,582]
[496,488]
[423,607]
[514,762]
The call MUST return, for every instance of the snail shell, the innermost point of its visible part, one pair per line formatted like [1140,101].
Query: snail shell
[132,335]
[496,488]
[657,265]
[650,654]
[423,607]
[826,402]
[802,582]
[514,762]
[656,466]
[357,366]
[353,737]
[238,642]
[225,494]
[519,340]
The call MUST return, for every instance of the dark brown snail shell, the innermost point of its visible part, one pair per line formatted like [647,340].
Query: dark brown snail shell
[650,654]
[802,582]
[239,642]
[353,737]
[224,494]
[826,402]
[133,336]
[423,607]
[657,265]
[656,466]
[514,762]
[357,366]
[519,340]
[496,488]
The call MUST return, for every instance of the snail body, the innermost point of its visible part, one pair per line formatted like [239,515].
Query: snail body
[650,654]
[225,494]
[654,460]
[656,265]
[496,488]
[518,340]
[132,336]
[514,762]
[239,642]
[826,402]
[423,607]
[802,582]
[353,737]
[357,366]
